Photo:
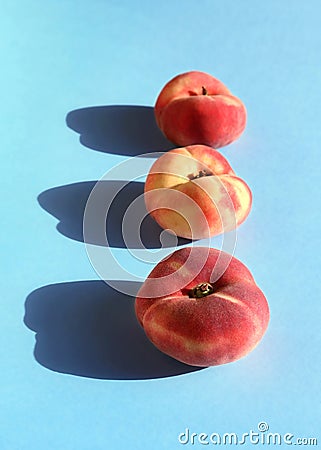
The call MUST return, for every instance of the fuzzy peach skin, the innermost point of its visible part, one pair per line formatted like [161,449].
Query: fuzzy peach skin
[217,328]
[194,193]
[196,108]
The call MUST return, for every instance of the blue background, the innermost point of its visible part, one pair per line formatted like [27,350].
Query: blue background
[92,381]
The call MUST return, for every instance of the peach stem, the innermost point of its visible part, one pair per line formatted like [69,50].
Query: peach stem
[201,173]
[201,290]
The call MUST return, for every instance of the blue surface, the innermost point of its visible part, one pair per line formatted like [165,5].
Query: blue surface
[91,380]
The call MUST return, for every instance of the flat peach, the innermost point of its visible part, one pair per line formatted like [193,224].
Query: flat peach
[194,193]
[196,108]
[203,321]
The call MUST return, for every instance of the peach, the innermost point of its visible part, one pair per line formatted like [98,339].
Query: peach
[196,108]
[193,192]
[202,321]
